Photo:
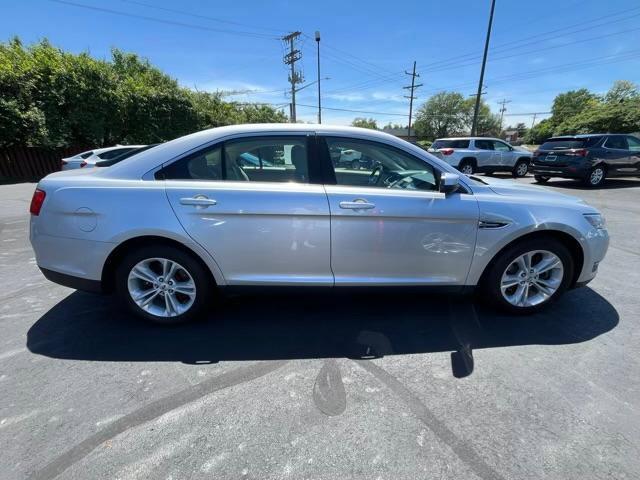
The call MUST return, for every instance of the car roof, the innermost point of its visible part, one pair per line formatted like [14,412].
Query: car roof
[153,158]
[469,138]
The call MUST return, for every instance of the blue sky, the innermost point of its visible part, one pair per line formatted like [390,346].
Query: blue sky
[538,48]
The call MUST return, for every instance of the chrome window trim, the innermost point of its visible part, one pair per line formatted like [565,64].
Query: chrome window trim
[150,175]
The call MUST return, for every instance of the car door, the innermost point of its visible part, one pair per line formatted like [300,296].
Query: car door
[616,155]
[264,223]
[503,155]
[487,156]
[389,223]
[634,153]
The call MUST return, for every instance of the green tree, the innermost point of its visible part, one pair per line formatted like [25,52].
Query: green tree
[540,132]
[52,98]
[448,114]
[569,104]
[365,123]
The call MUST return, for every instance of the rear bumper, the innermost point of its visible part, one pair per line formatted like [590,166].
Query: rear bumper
[567,171]
[71,281]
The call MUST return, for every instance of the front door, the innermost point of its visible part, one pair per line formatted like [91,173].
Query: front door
[249,202]
[390,225]
[504,154]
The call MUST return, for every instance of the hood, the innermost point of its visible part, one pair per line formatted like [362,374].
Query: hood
[535,192]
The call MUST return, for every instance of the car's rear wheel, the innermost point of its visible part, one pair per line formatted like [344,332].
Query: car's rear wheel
[520,169]
[529,275]
[596,176]
[467,167]
[163,284]
[541,178]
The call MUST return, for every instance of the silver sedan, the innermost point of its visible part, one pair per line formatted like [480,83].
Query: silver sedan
[167,226]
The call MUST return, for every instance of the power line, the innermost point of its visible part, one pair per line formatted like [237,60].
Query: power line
[166,22]
[204,17]
[502,110]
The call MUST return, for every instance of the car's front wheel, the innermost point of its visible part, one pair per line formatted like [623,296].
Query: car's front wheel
[520,169]
[467,167]
[529,275]
[163,284]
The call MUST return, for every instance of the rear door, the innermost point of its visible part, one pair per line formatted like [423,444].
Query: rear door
[616,155]
[252,203]
[634,153]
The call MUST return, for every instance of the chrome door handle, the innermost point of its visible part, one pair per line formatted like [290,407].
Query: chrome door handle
[358,204]
[199,201]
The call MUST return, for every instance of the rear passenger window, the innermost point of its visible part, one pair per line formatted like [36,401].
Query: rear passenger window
[267,159]
[618,143]
[484,144]
[255,159]
[634,144]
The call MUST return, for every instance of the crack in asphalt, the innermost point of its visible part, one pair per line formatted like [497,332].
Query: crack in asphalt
[463,450]
[152,411]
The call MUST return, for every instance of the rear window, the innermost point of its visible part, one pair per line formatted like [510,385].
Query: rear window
[86,154]
[569,143]
[450,144]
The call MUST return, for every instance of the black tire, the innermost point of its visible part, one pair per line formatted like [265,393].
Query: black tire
[596,177]
[520,169]
[541,178]
[467,164]
[204,284]
[491,280]
[355,164]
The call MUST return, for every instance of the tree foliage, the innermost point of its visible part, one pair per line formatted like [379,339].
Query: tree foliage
[448,114]
[580,111]
[53,98]
[365,123]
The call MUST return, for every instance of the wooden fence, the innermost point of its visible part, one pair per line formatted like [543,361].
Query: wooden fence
[30,164]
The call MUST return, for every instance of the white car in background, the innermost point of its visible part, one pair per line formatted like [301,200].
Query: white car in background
[481,154]
[90,157]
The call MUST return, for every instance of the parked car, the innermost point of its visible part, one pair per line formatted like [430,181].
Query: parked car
[186,217]
[480,154]
[589,158]
[90,157]
[124,156]
[349,158]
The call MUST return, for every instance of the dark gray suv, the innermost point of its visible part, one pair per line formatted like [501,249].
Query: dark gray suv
[590,158]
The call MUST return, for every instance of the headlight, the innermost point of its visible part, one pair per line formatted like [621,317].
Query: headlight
[596,220]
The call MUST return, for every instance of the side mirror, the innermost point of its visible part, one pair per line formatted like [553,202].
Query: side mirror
[449,182]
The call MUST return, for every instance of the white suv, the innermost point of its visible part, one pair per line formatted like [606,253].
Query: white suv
[479,154]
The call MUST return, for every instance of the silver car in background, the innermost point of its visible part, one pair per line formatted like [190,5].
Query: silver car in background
[91,157]
[480,154]
[167,226]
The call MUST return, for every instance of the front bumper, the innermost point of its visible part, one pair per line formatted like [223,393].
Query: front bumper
[595,246]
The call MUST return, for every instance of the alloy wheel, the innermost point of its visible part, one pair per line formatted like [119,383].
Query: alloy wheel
[596,176]
[467,169]
[522,169]
[532,278]
[161,287]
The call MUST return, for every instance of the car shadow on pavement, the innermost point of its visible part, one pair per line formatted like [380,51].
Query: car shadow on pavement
[609,183]
[91,327]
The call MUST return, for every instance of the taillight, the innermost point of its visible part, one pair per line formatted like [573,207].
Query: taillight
[83,164]
[36,202]
[62,164]
[577,153]
[446,151]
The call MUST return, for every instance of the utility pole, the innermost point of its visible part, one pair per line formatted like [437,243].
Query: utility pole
[294,77]
[474,125]
[319,101]
[533,123]
[411,97]
[503,102]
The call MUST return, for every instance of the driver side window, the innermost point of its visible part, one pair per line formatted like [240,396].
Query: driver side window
[362,163]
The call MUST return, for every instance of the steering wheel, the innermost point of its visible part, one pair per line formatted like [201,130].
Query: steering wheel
[376,175]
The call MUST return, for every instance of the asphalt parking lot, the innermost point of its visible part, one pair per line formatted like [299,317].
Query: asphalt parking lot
[391,387]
